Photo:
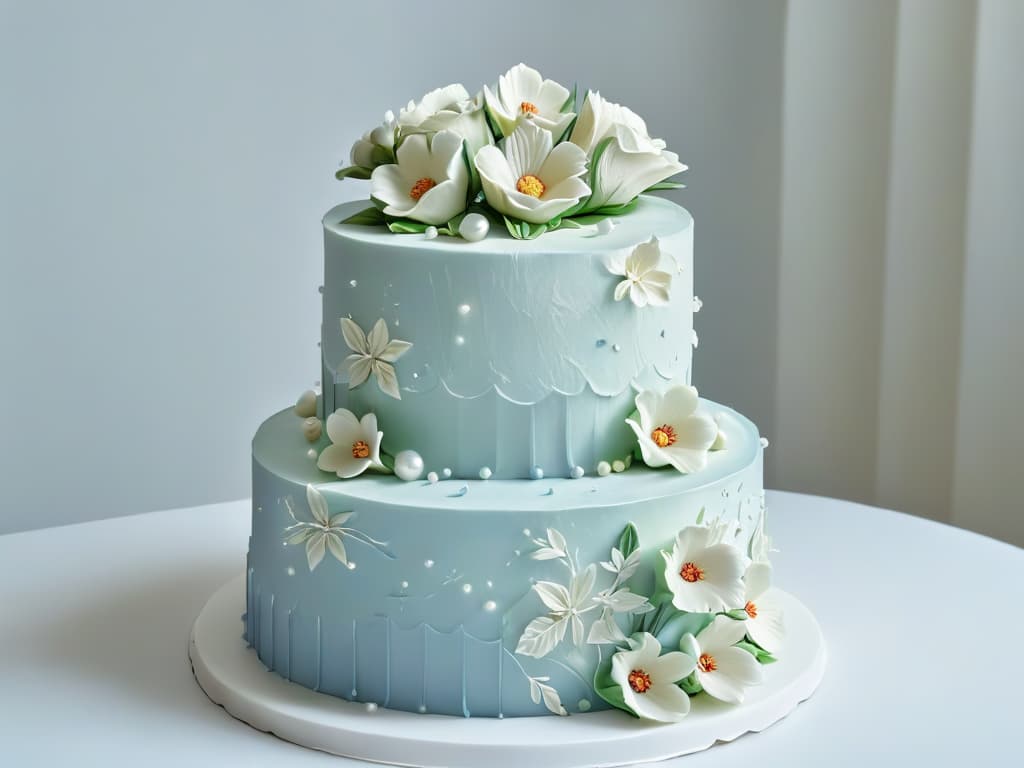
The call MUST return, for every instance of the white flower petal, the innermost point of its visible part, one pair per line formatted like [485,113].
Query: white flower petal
[358,368]
[394,350]
[653,455]
[554,596]
[565,161]
[343,427]
[721,633]
[674,666]
[757,579]
[768,630]
[388,183]
[386,379]
[377,339]
[662,703]
[354,336]
[336,547]
[317,505]
[315,549]
[736,670]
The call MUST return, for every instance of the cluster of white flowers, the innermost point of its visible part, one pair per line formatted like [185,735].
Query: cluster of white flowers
[706,583]
[518,149]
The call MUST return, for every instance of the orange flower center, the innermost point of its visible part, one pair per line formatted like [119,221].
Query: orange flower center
[360,450]
[421,187]
[691,572]
[751,609]
[530,185]
[707,663]
[664,436]
[639,681]
[528,108]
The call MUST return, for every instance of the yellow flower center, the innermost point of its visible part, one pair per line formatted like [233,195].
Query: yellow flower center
[360,450]
[528,108]
[691,572]
[639,681]
[530,185]
[421,187]
[707,663]
[664,436]
[751,609]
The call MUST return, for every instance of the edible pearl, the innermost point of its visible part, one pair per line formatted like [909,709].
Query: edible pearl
[467,588]
[485,473]
[490,605]
[474,227]
[536,473]
[305,406]
[311,453]
[604,468]
[311,428]
[371,706]
[446,473]
[432,477]
[408,465]
[430,233]
[618,466]
[576,473]
[605,226]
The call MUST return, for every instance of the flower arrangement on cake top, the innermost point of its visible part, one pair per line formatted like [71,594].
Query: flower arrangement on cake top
[524,153]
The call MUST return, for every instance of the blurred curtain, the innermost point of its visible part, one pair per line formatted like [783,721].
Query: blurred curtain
[901,267]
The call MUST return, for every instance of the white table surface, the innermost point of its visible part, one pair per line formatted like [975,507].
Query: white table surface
[924,623]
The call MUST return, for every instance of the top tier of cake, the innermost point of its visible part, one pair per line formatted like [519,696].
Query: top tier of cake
[522,359]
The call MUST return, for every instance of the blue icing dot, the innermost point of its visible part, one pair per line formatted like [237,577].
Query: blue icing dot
[461,492]
[600,343]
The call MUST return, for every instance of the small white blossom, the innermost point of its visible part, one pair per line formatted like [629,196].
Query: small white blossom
[373,353]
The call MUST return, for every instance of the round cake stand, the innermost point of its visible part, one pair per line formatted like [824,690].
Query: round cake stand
[234,678]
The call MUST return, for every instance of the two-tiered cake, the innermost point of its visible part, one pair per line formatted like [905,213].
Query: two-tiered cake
[508,500]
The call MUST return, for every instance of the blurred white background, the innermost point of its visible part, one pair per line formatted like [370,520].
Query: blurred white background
[855,176]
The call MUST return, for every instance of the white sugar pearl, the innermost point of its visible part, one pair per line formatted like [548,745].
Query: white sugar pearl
[311,453]
[446,473]
[604,468]
[618,466]
[474,227]
[408,465]
[485,473]
[371,706]
[430,233]
[536,473]
[306,404]
[604,226]
[432,477]
[577,472]
[311,428]
[490,605]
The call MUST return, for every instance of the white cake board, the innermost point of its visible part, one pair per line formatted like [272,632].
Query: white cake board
[234,678]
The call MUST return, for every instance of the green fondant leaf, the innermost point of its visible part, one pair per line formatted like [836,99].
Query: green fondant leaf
[664,185]
[382,155]
[388,461]
[570,224]
[680,624]
[756,651]
[616,210]
[369,217]
[690,685]
[407,227]
[700,515]
[629,540]
[738,614]
[352,172]
[524,230]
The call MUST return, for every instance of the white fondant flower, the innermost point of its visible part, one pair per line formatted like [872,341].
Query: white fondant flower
[428,183]
[566,606]
[438,100]
[453,110]
[630,161]
[703,573]
[377,146]
[372,354]
[671,431]
[649,680]
[644,283]
[523,93]
[725,672]
[323,535]
[530,180]
[355,445]
[764,622]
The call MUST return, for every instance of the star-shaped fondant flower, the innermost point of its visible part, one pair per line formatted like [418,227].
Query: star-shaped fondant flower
[372,353]
[355,445]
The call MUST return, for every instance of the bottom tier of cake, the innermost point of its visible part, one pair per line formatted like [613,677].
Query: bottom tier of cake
[472,598]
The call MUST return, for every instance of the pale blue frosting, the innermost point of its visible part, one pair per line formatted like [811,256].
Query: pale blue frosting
[520,355]
[428,620]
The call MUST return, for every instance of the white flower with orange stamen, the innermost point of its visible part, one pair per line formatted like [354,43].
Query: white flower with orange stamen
[530,180]
[448,109]
[724,671]
[764,623]
[429,181]
[704,574]
[649,680]
[355,445]
[644,283]
[523,94]
[671,431]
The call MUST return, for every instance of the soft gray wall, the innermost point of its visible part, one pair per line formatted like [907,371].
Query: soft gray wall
[164,167]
